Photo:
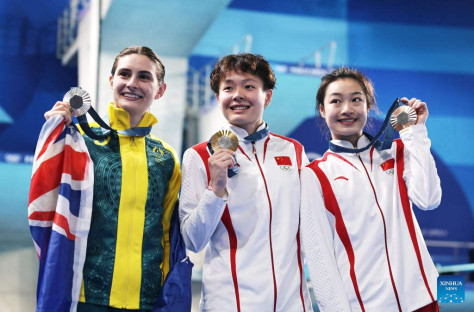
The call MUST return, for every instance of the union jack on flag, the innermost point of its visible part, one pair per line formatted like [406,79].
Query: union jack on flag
[59,213]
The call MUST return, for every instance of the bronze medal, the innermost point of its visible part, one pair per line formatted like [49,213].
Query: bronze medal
[403,117]
[224,139]
[79,100]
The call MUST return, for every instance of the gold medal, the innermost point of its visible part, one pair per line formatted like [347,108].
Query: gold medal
[79,100]
[403,117]
[224,139]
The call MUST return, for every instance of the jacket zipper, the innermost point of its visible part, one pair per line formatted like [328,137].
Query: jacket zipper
[384,233]
[133,146]
[275,293]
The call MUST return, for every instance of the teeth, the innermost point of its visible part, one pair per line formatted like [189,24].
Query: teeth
[239,107]
[129,95]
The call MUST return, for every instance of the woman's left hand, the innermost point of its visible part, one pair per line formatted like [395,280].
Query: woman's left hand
[420,108]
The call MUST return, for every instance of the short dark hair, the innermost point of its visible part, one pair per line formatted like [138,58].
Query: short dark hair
[346,73]
[142,50]
[247,63]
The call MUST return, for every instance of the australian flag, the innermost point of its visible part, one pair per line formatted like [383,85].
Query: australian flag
[59,213]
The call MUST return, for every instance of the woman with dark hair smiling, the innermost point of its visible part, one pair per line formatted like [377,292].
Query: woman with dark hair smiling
[356,206]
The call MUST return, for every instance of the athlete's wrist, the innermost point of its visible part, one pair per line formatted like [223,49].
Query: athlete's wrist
[219,192]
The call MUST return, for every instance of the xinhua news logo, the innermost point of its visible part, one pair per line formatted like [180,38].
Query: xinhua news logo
[451,289]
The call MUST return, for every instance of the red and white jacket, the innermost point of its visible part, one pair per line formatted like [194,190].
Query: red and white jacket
[364,248]
[253,256]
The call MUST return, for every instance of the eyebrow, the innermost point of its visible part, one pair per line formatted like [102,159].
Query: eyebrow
[353,93]
[140,72]
[244,81]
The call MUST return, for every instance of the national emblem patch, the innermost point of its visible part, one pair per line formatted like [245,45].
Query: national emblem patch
[284,162]
[388,166]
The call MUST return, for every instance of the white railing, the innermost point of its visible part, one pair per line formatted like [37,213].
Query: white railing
[449,244]
[466,267]
[199,92]
[455,246]
[316,55]
[68,25]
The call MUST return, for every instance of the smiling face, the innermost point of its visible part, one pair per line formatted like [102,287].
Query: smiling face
[135,85]
[345,109]
[242,100]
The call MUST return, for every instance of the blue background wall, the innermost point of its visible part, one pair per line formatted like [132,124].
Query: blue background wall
[31,81]
[408,48]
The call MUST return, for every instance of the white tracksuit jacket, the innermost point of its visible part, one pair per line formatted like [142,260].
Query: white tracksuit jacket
[363,245]
[253,255]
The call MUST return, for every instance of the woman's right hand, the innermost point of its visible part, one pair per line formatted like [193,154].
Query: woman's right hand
[219,162]
[60,108]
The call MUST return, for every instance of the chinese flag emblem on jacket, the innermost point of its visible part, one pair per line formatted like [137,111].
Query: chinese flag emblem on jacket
[283,160]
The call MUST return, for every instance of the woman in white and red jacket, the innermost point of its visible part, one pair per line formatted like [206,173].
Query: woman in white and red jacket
[356,208]
[248,223]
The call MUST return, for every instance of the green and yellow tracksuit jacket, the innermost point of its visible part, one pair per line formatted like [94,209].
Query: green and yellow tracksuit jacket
[136,185]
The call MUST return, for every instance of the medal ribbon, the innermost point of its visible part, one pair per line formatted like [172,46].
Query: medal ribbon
[386,143]
[138,131]
[260,134]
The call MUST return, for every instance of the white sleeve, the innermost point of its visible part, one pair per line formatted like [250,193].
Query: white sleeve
[200,210]
[317,238]
[420,174]
[304,159]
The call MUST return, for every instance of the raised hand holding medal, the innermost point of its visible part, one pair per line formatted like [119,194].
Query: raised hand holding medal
[76,102]
[402,114]
[224,139]
[80,103]
[79,100]
[222,163]
[403,117]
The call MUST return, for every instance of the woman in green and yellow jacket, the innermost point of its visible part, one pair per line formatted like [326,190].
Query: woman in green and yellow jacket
[136,185]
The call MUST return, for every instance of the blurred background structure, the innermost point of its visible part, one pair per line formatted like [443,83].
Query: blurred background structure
[409,48]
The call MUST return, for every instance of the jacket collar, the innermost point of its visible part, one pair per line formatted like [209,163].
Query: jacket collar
[120,119]
[361,142]
[242,133]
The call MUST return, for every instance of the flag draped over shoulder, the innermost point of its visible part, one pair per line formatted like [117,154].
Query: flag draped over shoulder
[175,295]
[59,213]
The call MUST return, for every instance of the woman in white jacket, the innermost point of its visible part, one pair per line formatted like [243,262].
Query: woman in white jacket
[247,222]
[356,208]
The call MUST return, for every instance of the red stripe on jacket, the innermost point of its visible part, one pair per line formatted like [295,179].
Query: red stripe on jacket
[299,160]
[332,206]
[408,212]
[203,152]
